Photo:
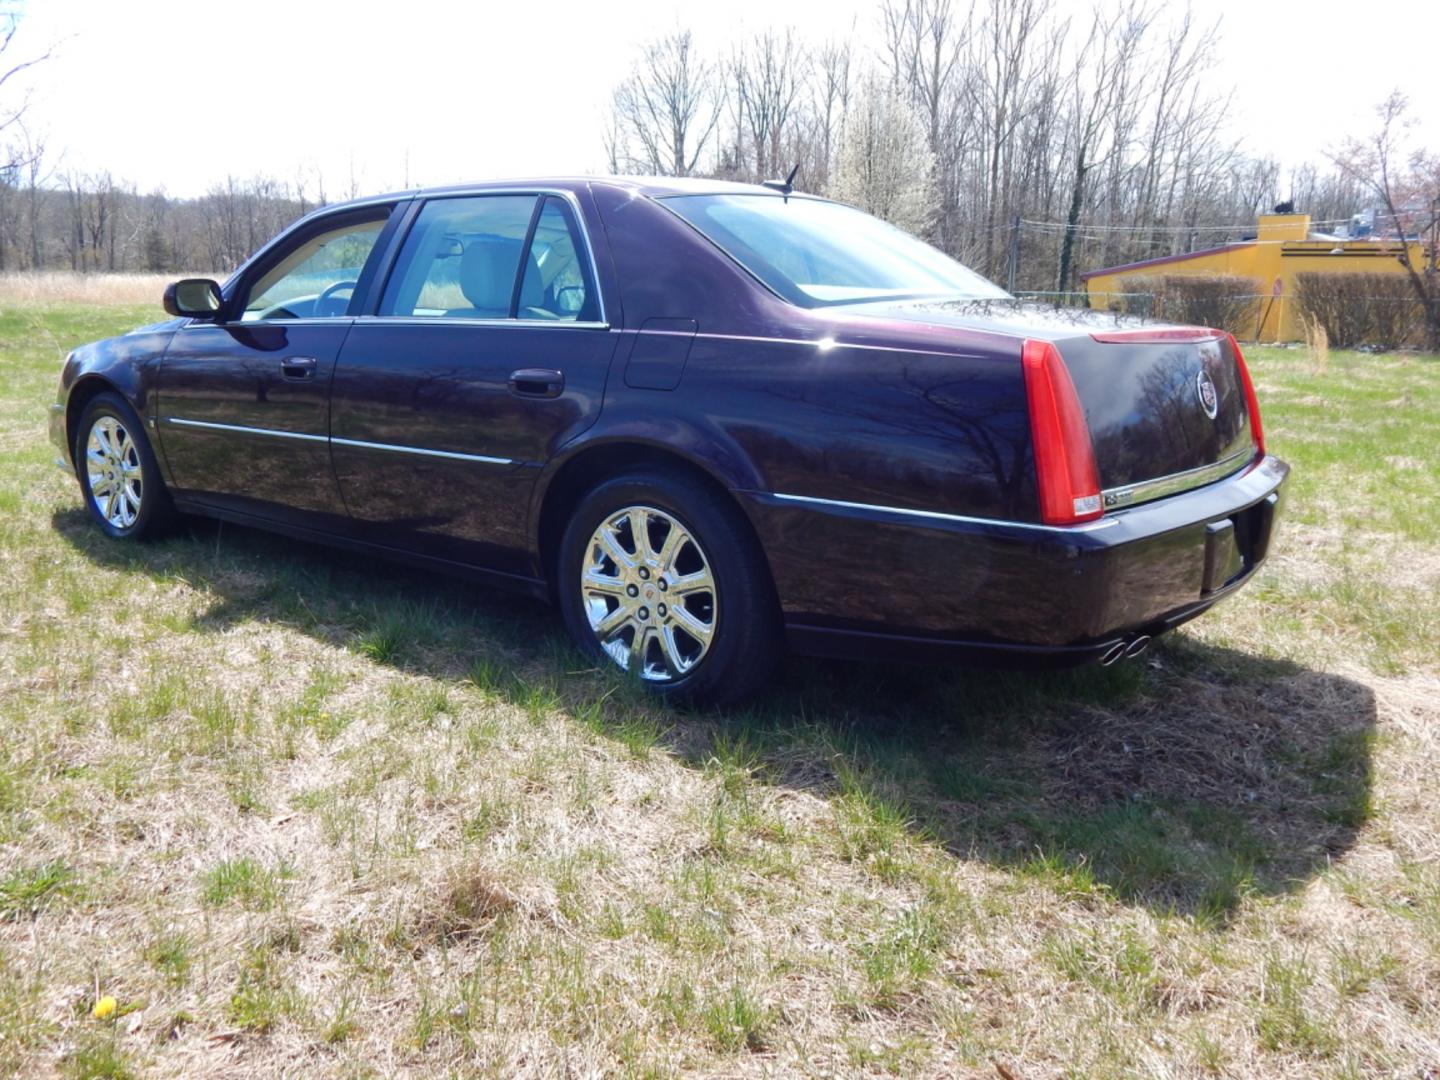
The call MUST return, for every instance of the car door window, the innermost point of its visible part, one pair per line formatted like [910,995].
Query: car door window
[315,279]
[557,283]
[461,259]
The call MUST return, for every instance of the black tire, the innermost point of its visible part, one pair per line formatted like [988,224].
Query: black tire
[745,650]
[156,512]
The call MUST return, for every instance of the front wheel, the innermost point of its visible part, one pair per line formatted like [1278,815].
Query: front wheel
[660,577]
[118,474]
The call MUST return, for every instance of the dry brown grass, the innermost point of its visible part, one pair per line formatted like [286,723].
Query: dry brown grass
[305,815]
[65,287]
[1318,342]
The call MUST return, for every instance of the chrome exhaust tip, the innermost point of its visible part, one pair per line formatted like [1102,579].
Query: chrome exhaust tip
[1110,655]
[1138,646]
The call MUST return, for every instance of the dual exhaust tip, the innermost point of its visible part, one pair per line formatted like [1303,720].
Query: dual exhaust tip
[1125,650]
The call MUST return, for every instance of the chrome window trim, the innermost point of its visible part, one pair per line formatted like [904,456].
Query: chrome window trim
[1146,490]
[453,455]
[825,344]
[210,425]
[456,320]
[936,515]
[328,320]
[490,192]
[359,444]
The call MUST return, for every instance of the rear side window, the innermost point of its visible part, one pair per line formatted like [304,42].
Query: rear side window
[557,278]
[464,258]
[461,258]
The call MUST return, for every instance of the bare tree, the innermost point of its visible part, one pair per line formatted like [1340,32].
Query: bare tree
[36,176]
[924,52]
[767,72]
[1002,61]
[12,111]
[1102,95]
[829,103]
[668,108]
[1408,188]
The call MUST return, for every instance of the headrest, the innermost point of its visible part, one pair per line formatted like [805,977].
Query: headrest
[487,272]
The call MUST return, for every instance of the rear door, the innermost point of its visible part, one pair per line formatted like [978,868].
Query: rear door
[488,350]
[244,404]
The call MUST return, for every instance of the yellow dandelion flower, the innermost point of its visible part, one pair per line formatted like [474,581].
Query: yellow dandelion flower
[104,1008]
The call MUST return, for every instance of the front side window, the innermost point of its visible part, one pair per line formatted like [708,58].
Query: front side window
[816,253]
[316,279]
[492,257]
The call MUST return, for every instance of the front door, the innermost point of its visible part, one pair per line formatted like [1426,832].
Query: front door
[487,352]
[244,404]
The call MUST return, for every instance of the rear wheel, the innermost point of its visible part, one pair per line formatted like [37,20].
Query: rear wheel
[660,577]
[118,474]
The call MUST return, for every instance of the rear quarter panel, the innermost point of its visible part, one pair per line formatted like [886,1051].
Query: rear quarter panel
[941,432]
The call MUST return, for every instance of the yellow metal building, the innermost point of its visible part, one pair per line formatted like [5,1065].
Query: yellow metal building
[1281,249]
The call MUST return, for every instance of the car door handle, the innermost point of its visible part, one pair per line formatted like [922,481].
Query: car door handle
[537,382]
[298,367]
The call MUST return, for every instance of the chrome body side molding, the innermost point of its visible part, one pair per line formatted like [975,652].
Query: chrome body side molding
[240,429]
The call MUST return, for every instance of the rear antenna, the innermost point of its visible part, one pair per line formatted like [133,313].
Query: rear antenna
[786,186]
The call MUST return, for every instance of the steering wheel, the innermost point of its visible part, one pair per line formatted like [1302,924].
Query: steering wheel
[320,300]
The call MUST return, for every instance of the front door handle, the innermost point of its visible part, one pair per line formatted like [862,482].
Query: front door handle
[537,382]
[298,367]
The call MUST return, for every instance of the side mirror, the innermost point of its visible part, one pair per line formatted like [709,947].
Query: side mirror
[193,298]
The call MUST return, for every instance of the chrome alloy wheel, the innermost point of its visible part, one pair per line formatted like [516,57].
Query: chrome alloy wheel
[112,464]
[649,593]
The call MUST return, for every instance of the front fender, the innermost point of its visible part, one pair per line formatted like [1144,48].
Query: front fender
[128,365]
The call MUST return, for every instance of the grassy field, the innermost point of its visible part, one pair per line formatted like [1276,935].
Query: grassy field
[298,813]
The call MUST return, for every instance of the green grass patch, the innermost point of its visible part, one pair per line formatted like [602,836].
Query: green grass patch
[332,813]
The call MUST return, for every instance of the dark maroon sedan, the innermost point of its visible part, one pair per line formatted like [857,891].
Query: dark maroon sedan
[707,420]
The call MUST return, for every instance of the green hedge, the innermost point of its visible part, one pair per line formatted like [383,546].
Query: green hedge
[1225,301]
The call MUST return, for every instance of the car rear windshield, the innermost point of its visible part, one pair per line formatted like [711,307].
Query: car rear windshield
[816,253]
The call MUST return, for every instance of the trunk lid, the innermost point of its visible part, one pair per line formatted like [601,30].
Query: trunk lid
[1165,415]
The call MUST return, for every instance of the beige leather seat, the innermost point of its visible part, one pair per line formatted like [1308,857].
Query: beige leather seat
[487,278]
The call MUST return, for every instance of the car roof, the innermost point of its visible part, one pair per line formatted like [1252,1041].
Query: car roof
[651,186]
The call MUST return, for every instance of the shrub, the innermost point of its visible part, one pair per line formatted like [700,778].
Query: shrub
[1225,301]
[1362,309]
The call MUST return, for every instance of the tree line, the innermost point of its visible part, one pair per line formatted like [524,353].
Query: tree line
[53,218]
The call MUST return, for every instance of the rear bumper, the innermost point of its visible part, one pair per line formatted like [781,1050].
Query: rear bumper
[870,581]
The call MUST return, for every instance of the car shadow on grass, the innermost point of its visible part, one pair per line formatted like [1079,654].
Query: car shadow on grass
[1182,781]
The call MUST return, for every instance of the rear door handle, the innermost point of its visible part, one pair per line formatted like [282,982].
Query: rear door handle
[298,367]
[537,382]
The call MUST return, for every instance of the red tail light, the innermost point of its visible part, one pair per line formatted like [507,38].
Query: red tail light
[1252,404]
[1065,470]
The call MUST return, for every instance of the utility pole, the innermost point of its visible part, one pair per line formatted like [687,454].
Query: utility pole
[1013,269]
